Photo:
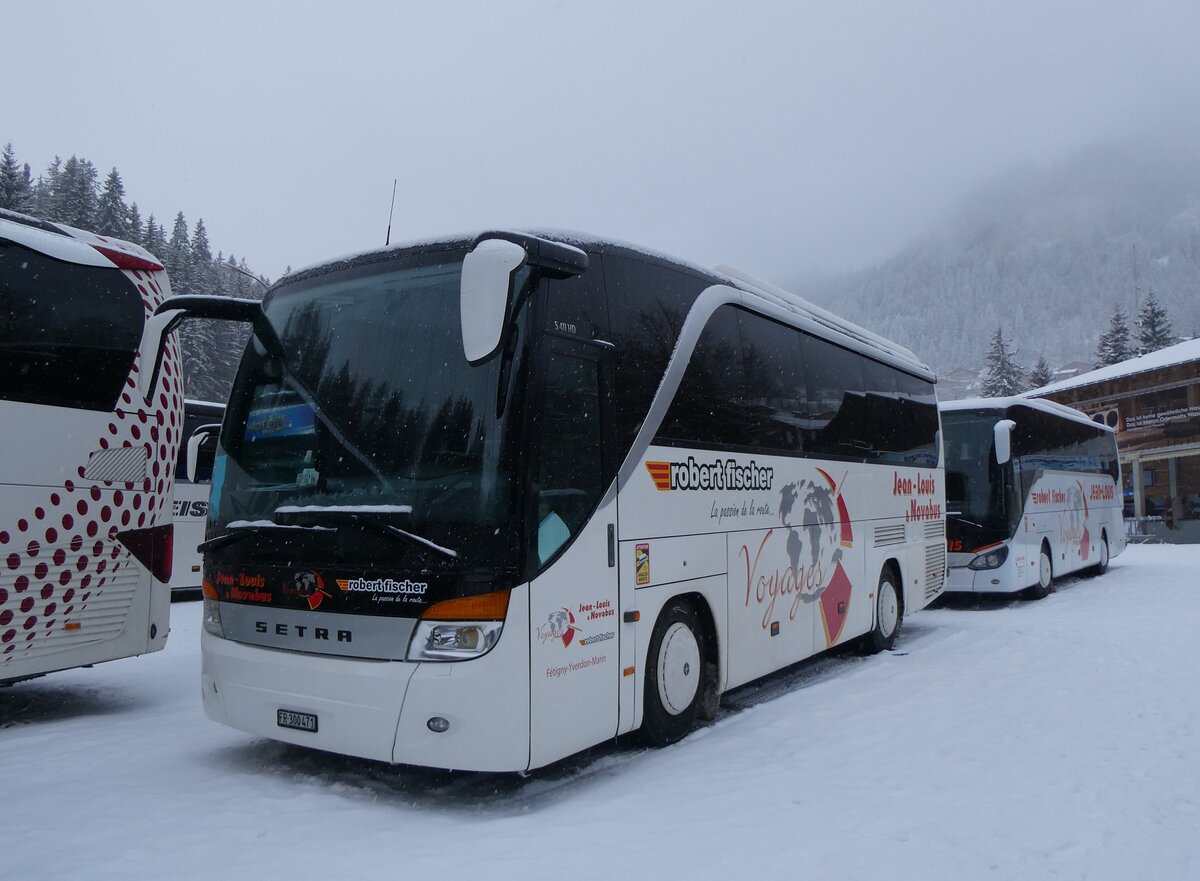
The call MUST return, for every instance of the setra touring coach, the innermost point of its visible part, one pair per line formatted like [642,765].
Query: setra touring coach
[483,503]
[1031,487]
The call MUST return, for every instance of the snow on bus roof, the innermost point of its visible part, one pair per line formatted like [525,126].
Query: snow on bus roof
[1180,353]
[1052,407]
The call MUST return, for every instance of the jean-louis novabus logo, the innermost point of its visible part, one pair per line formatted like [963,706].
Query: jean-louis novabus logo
[719,475]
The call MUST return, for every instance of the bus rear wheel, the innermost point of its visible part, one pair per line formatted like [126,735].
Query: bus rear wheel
[1045,582]
[889,614]
[1102,564]
[676,674]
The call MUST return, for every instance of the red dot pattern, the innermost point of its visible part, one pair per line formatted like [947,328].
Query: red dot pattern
[57,556]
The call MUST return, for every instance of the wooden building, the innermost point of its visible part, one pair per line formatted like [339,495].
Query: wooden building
[1154,404]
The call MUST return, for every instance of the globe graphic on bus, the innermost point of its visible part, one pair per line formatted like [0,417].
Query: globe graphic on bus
[806,510]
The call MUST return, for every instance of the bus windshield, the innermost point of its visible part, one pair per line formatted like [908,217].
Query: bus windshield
[370,411]
[978,491]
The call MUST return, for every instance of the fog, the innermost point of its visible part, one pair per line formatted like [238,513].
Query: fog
[787,138]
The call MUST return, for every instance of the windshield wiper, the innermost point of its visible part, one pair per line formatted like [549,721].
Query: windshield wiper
[962,519]
[364,517]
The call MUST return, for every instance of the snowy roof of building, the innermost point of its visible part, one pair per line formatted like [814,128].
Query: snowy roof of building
[1052,407]
[1180,353]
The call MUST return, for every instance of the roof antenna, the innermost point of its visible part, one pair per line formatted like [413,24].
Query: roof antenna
[388,241]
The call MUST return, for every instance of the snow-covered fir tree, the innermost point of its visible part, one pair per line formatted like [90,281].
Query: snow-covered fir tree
[112,214]
[1115,346]
[16,188]
[1154,327]
[178,256]
[200,262]
[45,191]
[136,234]
[76,200]
[1002,377]
[155,238]
[1041,373]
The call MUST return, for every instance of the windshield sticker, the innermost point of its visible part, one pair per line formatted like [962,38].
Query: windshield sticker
[310,586]
[244,588]
[294,419]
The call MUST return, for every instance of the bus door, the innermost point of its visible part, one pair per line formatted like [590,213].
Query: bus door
[575,609]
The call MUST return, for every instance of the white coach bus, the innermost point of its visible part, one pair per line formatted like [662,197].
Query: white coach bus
[483,504]
[90,412]
[1032,492]
[190,506]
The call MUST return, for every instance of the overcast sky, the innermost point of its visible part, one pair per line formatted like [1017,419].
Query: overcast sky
[786,138]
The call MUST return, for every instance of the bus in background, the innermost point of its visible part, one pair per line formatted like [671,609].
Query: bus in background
[481,504]
[90,413]
[190,510]
[1031,492]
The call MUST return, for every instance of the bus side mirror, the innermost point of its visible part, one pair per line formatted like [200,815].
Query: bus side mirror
[1002,438]
[486,295]
[199,436]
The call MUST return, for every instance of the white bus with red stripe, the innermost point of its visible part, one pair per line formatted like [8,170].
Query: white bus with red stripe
[90,412]
[481,504]
[1033,495]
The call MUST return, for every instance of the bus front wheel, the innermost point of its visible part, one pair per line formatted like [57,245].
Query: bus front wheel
[675,674]
[889,614]
[1045,582]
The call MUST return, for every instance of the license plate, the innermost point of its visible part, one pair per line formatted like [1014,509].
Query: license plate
[299,721]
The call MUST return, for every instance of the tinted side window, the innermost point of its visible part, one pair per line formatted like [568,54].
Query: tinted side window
[836,419]
[885,419]
[709,405]
[917,440]
[649,304]
[775,393]
[68,333]
[576,307]
[569,478]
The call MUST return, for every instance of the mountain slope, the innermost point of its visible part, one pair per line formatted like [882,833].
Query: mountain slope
[1044,253]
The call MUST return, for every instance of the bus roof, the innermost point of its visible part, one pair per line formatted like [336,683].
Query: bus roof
[73,245]
[1051,407]
[835,328]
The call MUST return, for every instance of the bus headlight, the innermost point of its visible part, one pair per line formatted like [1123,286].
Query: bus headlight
[453,641]
[993,559]
[459,629]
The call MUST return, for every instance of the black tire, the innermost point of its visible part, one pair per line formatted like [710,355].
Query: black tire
[1045,584]
[677,674]
[1102,564]
[889,613]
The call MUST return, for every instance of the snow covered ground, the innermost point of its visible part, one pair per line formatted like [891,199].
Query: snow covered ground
[1002,739]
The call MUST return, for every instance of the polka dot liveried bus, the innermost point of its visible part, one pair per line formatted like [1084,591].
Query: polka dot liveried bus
[90,413]
[482,503]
